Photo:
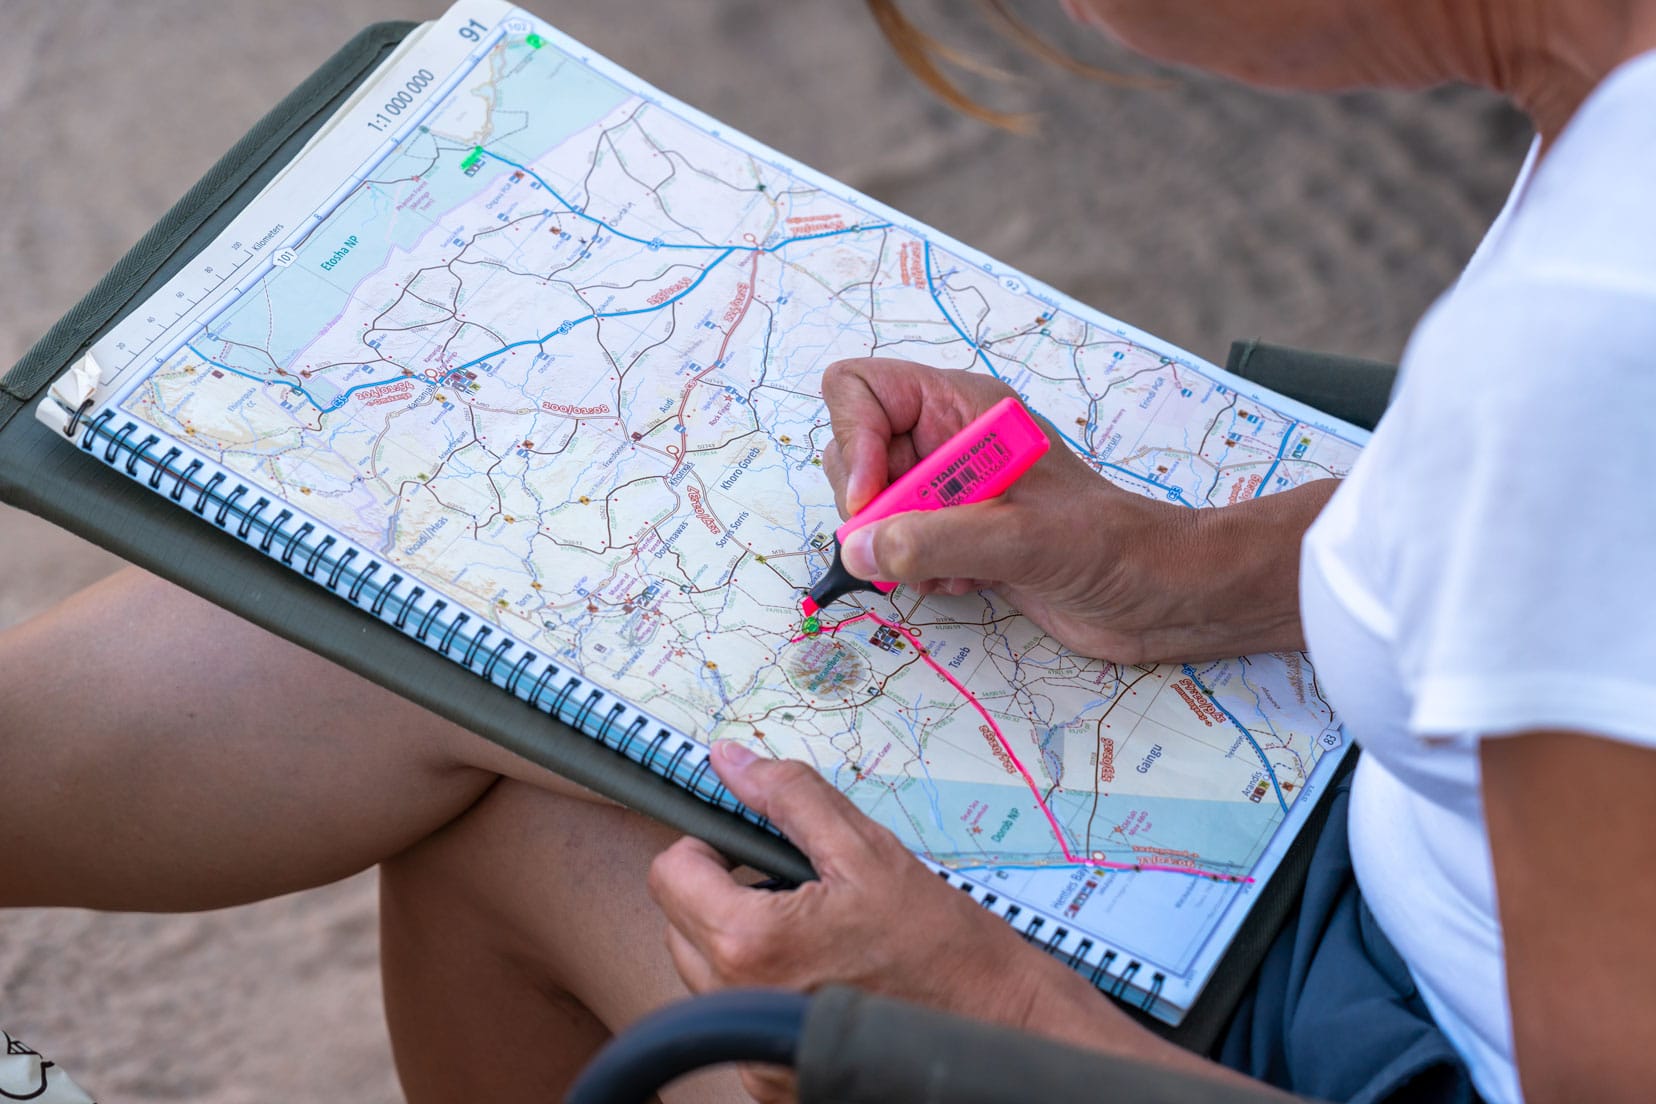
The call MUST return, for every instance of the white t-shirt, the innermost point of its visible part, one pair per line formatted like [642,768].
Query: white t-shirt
[1486,569]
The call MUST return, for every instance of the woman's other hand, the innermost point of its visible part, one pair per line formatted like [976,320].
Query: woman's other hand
[877,919]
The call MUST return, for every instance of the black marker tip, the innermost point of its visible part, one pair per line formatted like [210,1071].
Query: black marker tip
[835,584]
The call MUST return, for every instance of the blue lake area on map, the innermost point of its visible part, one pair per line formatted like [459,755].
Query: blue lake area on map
[542,99]
[1001,824]
[1115,904]
[1219,833]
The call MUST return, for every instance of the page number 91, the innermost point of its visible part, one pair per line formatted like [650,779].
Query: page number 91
[473,31]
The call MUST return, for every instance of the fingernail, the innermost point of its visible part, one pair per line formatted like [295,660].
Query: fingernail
[734,754]
[860,489]
[857,553]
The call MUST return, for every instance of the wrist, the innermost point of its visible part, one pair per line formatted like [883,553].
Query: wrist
[1078,1015]
[1065,1008]
[1248,556]
[1231,575]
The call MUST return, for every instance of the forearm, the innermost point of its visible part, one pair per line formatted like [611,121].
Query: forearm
[1238,574]
[1069,1010]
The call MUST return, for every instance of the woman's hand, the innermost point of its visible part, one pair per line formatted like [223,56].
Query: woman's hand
[1107,572]
[876,919]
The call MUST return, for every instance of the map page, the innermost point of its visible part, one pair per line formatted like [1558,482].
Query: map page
[555,351]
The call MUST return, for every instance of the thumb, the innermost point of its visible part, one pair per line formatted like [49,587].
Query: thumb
[819,819]
[983,540]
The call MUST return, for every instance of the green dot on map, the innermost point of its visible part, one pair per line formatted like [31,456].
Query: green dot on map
[812,626]
[535,41]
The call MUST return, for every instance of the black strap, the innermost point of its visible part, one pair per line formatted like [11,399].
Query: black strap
[205,209]
[1350,388]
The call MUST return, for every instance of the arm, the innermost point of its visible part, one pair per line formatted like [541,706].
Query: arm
[1571,836]
[1109,573]
[1248,563]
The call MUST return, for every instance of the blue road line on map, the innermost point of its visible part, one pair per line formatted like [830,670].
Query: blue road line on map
[658,244]
[578,213]
[1040,866]
[1190,673]
[570,324]
[388,148]
[339,402]
[1270,471]
[244,375]
[537,341]
[1242,676]
[573,322]
[925,768]
[1172,493]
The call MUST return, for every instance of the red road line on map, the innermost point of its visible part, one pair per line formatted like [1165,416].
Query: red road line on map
[724,346]
[971,699]
[1193,871]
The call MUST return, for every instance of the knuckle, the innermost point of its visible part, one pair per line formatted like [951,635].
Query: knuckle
[987,389]
[794,772]
[898,550]
[740,955]
[997,388]
[884,845]
[726,954]
[836,375]
[793,778]
[656,878]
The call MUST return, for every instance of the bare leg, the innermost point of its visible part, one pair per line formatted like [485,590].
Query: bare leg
[515,940]
[157,753]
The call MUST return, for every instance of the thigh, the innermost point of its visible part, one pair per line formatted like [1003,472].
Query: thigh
[517,939]
[159,753]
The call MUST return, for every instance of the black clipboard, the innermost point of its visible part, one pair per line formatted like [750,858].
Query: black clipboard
[38,474]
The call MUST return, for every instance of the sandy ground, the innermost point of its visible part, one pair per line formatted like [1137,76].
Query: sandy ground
[1200,212]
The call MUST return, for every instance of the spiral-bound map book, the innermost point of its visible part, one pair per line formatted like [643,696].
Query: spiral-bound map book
[522,358]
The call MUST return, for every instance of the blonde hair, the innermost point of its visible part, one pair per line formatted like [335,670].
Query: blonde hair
[921,53]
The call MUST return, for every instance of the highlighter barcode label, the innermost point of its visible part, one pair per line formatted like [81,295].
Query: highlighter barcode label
[959,479]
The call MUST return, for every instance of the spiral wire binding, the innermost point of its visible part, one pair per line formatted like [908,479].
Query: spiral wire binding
[413,610]
[75,417]
[1079,951]
[391,596]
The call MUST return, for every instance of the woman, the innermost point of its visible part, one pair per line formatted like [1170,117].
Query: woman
[1466,596]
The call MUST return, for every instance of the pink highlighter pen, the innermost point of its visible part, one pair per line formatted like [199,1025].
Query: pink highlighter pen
[978,463]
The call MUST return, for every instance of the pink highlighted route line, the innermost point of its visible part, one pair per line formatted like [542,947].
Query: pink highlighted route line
[971,699]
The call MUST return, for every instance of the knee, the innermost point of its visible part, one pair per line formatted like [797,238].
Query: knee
[518,872]
[427,888]
[466,881]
